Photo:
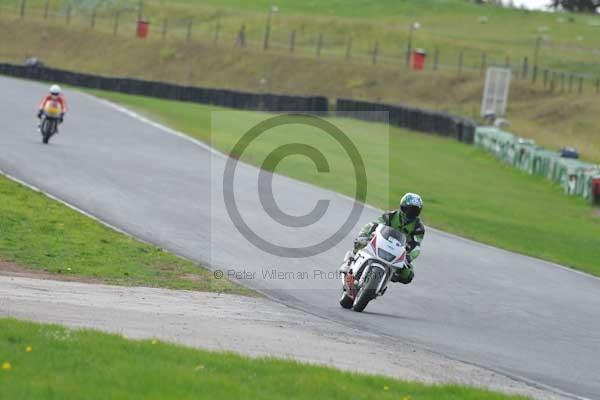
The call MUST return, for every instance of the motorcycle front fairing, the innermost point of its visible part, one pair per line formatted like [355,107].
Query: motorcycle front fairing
[52,109]
[386,251]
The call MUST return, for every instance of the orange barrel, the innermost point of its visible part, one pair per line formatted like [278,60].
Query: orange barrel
[418,59]
[143,28]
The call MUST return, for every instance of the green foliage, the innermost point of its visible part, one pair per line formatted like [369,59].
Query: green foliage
[589,6]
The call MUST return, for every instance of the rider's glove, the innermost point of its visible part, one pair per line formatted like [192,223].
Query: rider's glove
[62,118]
[360,242]
[39,114]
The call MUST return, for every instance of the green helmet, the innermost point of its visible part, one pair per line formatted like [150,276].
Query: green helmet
[411,205]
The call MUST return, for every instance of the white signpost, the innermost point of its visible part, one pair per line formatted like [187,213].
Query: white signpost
[495,93]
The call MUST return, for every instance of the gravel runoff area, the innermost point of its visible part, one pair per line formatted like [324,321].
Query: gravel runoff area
[251,326]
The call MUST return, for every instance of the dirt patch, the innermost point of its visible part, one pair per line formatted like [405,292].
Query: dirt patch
[11,269]
[193,277]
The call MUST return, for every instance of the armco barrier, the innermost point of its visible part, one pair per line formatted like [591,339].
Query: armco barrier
[415,119]
[217,97]
[577,178]
[443,124]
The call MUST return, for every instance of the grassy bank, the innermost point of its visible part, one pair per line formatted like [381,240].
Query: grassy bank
[51,362]
[553,119]
[466,191]
[451,26]
[40,234]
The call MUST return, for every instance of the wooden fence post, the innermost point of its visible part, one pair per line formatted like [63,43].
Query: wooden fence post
[525,70]
[267,30]
[22,9]
[436,59]
[165,28]
[570,83]
[536,52]
[140,10]
[189,30]
[483,63]
[375,53]
[319,45]
[534,72]
[348,47]
[292,41]
[93,21]
[116,26]
[580,88]
[217,31]
[241,39]
[46,8]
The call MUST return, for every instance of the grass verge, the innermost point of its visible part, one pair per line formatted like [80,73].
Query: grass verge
[51,362]
[466,191]
[41,234]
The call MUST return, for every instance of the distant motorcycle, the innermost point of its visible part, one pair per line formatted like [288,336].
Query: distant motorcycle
[373,266]
[50,119]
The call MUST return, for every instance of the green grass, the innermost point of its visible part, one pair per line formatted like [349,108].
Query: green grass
[450,25]
[465,190]
[345,8]
[41,234]
[84,364]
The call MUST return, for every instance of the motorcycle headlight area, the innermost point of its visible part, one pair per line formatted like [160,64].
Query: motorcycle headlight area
[387,256]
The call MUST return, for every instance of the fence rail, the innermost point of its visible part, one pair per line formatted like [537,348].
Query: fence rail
[215,29]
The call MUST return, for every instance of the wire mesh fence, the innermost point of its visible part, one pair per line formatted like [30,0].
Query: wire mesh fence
[215,28]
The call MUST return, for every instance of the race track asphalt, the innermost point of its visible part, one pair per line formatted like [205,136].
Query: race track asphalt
[513,314]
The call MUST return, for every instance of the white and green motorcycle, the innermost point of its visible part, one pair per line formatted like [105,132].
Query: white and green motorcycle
[367,276]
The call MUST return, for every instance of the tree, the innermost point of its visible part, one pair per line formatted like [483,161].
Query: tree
[577,5]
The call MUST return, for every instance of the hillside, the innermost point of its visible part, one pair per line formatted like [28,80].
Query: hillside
[552,118]
[567,42]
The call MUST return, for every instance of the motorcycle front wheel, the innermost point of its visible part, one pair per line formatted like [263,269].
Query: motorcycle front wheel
[369,289]
[346,301]
[47,128]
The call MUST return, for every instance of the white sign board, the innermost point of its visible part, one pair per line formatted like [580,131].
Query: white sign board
[495,93]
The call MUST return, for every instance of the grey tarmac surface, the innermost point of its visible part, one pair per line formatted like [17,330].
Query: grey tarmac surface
[512,314]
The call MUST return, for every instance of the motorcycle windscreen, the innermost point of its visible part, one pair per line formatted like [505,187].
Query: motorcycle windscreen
[388,232]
